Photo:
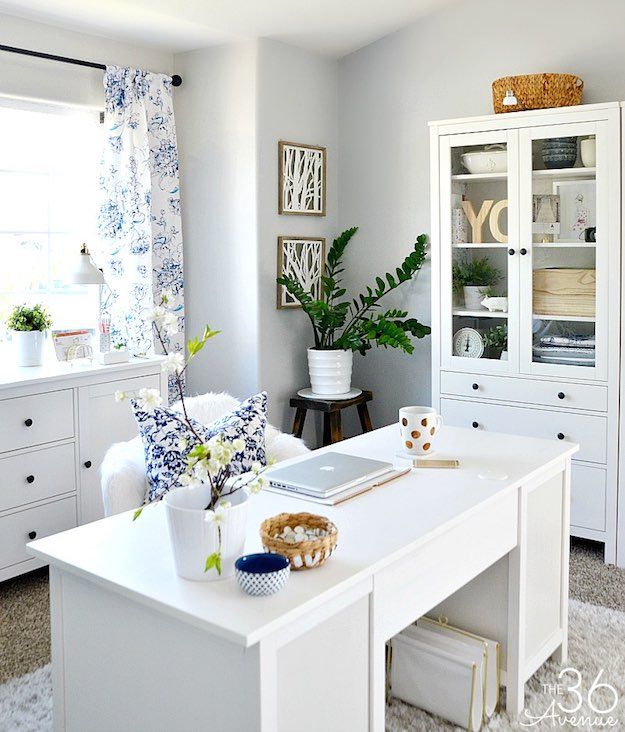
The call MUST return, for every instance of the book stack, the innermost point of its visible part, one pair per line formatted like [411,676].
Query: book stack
[574,350]
[446,671]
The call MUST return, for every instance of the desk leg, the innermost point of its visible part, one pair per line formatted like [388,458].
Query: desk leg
[377,674]
[517,571]
[298,422]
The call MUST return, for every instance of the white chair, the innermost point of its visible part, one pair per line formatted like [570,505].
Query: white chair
[123,477]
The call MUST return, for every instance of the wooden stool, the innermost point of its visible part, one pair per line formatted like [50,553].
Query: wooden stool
[331,408]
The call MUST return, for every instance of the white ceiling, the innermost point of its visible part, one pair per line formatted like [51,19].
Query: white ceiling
[332,27]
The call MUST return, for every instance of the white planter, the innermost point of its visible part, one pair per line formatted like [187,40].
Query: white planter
[194,537]
[588,149]
[28,346]
[473,296]
[330,371]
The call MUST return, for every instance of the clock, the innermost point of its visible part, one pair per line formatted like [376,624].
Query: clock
[468,343]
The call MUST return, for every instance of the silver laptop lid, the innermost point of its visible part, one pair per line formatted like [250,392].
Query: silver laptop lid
[326,472]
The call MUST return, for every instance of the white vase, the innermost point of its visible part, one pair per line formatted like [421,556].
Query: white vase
[588,149]
[330,371]
[473,296]
[28,346]
[194,536]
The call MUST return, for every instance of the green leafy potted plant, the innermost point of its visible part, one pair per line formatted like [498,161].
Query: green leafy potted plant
[28,328]
[474,278]
[496,342]
[342,326]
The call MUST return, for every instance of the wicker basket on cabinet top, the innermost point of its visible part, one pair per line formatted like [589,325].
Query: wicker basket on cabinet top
[564,292]
[537,91]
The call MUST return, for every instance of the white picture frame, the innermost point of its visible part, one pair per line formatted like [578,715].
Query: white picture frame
[578,200]
[301,257]
[301,179]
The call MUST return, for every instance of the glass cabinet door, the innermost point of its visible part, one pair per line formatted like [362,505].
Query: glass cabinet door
[479,227]
[564,238]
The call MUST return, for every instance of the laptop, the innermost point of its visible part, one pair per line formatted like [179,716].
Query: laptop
[326,475]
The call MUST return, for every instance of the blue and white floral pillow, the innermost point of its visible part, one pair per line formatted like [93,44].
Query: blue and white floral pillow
[167,440]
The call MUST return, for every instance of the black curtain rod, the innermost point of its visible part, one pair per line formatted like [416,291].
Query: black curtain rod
[176,80]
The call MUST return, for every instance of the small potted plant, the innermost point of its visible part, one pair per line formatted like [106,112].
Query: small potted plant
[342,326]
[496,342]
[474,278]
[28,328]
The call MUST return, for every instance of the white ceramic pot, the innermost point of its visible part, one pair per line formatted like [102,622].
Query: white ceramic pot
[473,296]
[194,536]
[486,161]
[330,371]
[28,346]
[588,149]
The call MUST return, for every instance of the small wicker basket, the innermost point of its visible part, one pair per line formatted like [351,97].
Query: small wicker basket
[537,91]
[306,554]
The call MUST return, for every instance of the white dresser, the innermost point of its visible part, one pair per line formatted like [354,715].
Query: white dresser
[56,423]
[559,375]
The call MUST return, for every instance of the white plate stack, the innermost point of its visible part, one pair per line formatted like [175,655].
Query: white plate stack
[446,671]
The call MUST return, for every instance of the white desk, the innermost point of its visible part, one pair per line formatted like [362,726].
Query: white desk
[135,647]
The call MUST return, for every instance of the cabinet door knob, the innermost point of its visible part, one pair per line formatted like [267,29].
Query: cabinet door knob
[510,252]
[30,478]
[28,422]
[475,387]
[476,425]
[561,395]
[560,435]
[32,534]
[523,251]
[87,463]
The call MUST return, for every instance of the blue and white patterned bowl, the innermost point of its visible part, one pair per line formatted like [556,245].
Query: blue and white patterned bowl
[262,574]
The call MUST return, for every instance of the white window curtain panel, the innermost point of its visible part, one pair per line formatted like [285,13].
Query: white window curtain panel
[139,219]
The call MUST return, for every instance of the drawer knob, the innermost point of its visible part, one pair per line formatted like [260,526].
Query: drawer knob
[28,422]
[30,478]
[32,534]
[561,395]
[475,387]
[87,463]
[523,251]
[476,425]
[510,252]
[560,435]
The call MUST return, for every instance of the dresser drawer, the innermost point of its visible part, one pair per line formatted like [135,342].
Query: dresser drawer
[33,420]
[37,475]
[43,520]
[549,393]
[588,497]
[589,432]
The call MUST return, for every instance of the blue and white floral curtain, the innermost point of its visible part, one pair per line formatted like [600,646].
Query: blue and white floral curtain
[139,220]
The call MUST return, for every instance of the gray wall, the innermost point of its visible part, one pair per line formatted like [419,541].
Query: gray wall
[442,67]
[216,125]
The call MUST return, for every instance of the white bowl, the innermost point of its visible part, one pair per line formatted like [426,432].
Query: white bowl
[486,161]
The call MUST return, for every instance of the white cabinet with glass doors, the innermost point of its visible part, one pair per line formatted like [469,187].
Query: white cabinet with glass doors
[526,287]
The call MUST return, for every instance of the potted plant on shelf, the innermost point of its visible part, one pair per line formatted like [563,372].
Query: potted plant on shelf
[342,326]
[28,328]
[496,342]
[206,505]
[474,278]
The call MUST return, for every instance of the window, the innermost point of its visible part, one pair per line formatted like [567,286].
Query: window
[49,164]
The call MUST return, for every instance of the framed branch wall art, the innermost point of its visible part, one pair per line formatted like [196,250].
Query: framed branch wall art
[301,179]
[303,258]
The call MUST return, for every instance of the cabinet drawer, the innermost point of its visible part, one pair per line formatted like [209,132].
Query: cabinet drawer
[549,393]
[33,420]
[34,476]
[588,497]
[44,520]
[589,432]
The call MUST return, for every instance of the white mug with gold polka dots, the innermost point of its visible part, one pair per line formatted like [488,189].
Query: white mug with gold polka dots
[419,426]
